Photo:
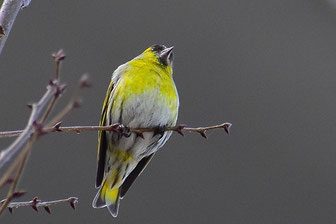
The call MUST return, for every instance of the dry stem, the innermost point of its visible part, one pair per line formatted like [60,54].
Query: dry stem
[119,128]
[36,203]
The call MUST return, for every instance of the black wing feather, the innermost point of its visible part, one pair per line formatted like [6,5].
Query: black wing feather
[134,174]
[102,141]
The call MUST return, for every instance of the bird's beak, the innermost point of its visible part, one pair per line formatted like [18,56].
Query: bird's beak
[166,54]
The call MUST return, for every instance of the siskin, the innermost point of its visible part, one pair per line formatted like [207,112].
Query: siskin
[141,94]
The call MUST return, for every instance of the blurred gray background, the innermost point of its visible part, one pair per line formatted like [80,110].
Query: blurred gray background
[267,66]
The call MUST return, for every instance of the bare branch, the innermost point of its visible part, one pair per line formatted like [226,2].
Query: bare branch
[8,13]
[119,128]
[75,102]
[18,152]
[24,137]
[36,203]
[58,56]
[21,163]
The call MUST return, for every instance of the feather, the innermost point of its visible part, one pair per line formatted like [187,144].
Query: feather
[134,174]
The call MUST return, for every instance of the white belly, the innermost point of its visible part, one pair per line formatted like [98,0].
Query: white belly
[146,110]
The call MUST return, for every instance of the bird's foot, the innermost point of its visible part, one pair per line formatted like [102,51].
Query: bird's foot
[160,130]
[124,131]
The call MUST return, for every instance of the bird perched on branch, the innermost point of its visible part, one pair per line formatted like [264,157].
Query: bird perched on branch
[141,94]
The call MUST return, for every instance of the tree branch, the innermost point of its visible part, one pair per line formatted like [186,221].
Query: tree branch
[121,129]
[8,13]
[13,159]
[36,203]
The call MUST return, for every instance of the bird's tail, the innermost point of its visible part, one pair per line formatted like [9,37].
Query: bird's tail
[107,197]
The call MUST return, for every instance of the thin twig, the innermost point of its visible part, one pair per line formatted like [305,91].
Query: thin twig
[36,203]
[24,137]
[75,102]
[58,56]
[119,128]
[18,152]
[11,192]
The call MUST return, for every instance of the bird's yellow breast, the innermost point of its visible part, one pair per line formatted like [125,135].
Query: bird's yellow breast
[142,77]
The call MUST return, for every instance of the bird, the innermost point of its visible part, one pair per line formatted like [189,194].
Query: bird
[141,94]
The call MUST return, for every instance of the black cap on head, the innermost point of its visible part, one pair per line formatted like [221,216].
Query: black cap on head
[165,54]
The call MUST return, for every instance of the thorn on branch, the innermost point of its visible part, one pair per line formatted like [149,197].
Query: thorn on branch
[34,203]
[73,201]
[10,210]
[47,209]
[57,126]
[30,106]
[227,127]
[202,132]
[140,134]
[180,128]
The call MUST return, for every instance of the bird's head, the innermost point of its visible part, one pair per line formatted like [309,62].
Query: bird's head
[160,55]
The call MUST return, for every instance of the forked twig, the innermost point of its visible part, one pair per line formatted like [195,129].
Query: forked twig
[17,153]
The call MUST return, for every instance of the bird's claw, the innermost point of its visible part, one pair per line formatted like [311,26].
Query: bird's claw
[160,130]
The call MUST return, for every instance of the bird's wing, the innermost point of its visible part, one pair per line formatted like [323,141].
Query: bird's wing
[102,142]
[134,174]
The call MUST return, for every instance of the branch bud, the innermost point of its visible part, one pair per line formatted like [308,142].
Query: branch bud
[58,56]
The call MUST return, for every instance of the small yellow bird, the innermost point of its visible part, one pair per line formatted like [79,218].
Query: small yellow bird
[141,94]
